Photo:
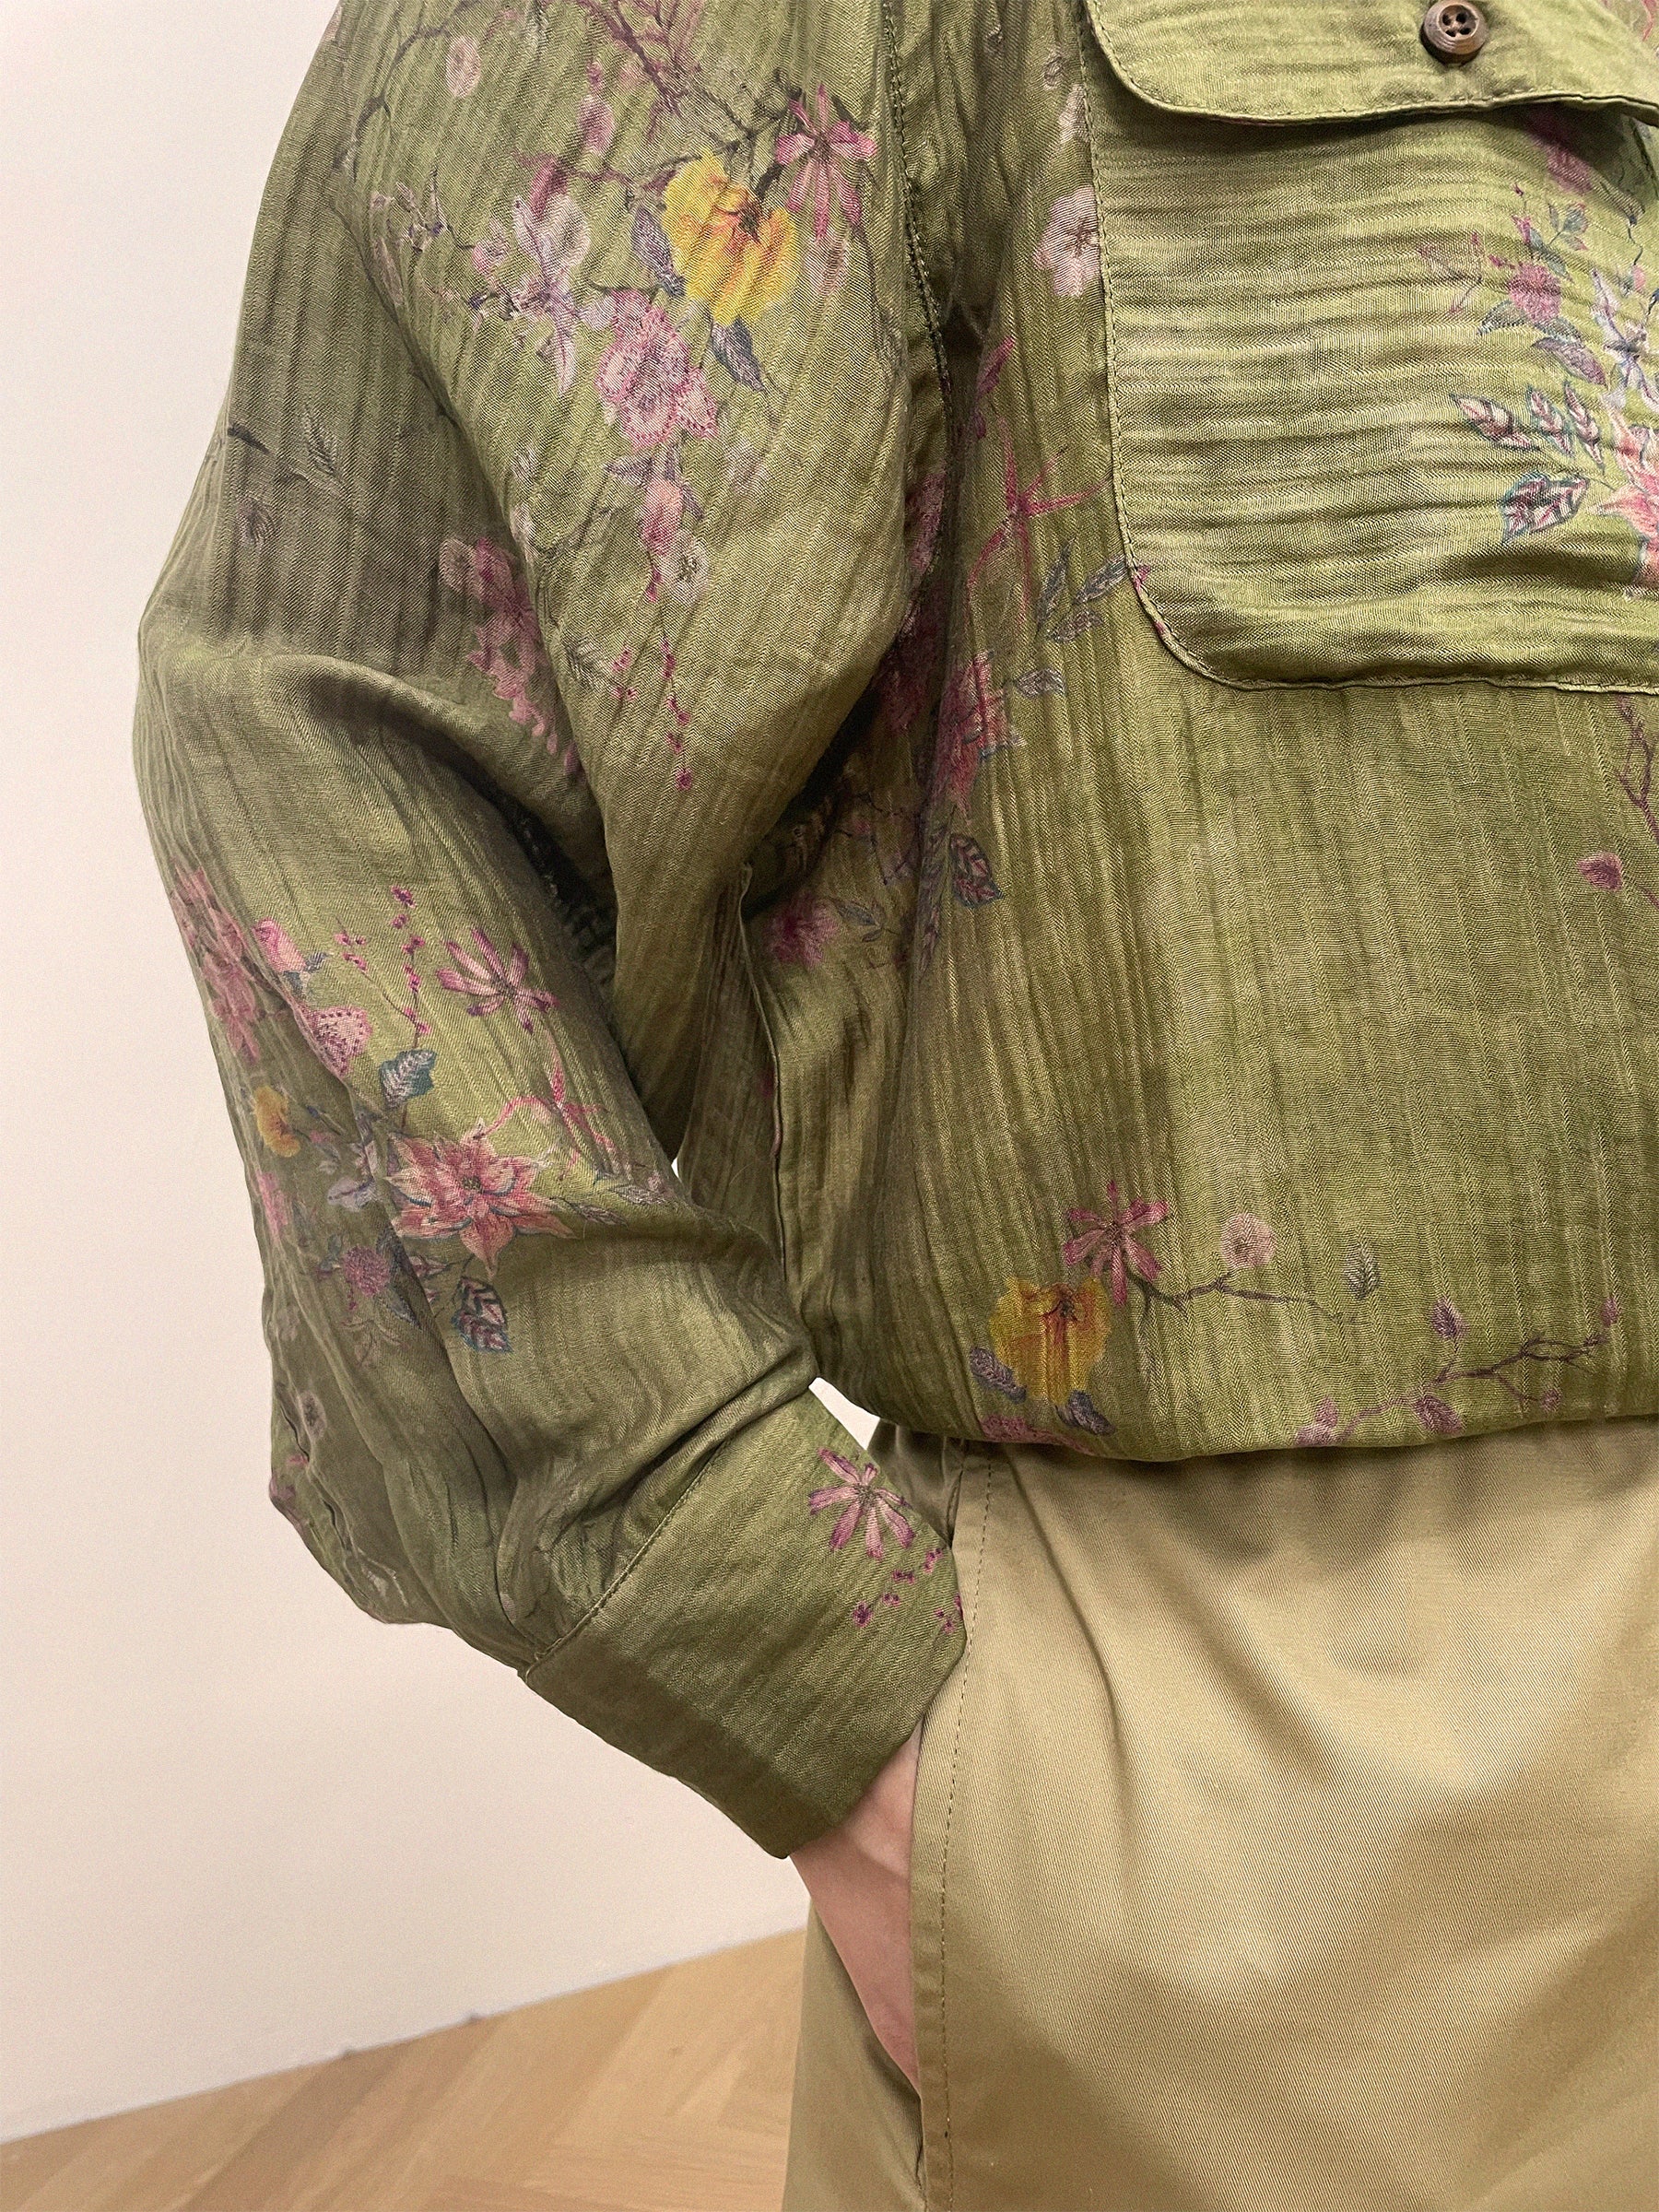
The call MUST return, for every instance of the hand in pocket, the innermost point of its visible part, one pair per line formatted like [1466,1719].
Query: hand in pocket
[858,1877]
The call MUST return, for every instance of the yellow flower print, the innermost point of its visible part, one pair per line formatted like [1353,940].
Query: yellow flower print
[271,1113]
[1049,1334]
[736,256]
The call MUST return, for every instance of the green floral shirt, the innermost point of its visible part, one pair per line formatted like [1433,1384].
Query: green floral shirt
[957,695]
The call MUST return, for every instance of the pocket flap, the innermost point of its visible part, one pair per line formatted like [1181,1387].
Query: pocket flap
[1298,61]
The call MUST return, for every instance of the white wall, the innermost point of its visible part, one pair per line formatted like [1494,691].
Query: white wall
[244,1826]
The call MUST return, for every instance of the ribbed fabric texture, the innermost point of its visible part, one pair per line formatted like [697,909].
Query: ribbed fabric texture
[769,770]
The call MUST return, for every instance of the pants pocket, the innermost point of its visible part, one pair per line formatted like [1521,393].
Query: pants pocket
[942,1731]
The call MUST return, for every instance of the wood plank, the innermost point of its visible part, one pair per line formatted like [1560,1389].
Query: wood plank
[665,2093]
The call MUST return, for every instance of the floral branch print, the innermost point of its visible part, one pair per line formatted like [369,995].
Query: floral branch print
[1428,1400]
[1581,434]
[380,101]
[974,718]
[462,1191]
[1045,1337]
[722,232]
[508,649]
[863,1498]
[1605,871]
[1022,506]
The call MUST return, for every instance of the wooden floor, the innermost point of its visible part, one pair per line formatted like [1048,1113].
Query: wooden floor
[668,2092]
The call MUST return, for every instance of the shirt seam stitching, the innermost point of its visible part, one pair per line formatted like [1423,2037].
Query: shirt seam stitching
[912,240]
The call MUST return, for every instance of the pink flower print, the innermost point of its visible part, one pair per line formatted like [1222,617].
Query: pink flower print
[1008,1429]
[597,124]
[465,1187]
[924,513]
[905,679]
[822,153]
[1022,505]
[1566,169]
[577,1117]
[491,982]
[799,931]
[336,1034]
[1637,501]
[664,504]
[508,649]
[1604,871]
[1247,1241]
[1536,292]
[274,1202]
[1627,342]
[221,952]
[862,1495]
[1110,1237]
[973,722]
[280,948]
[552,229]
[1070,249]
[648,380]
[368,1271]
[461,67]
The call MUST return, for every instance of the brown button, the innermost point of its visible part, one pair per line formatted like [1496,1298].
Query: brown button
[1455,30]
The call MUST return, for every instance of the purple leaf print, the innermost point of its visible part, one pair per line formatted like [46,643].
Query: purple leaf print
[1583,421]
[479,1318]
[1493,422]
[1036,682]
[1446,1321]
[971,882]
[1436,1415]
[1103,580]
[1603,871]
[993,1374]
[734,349]
[1540,502]
[1081,1412]
[1325,1426]
[651,243]
[1549,422]
[1573,353]
[1052,592]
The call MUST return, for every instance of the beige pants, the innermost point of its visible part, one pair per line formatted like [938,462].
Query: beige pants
[1287,1841]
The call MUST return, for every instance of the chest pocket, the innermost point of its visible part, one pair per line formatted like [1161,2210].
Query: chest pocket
[1383,344]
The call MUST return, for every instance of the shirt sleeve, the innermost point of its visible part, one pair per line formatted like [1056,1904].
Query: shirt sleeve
[523,1385]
